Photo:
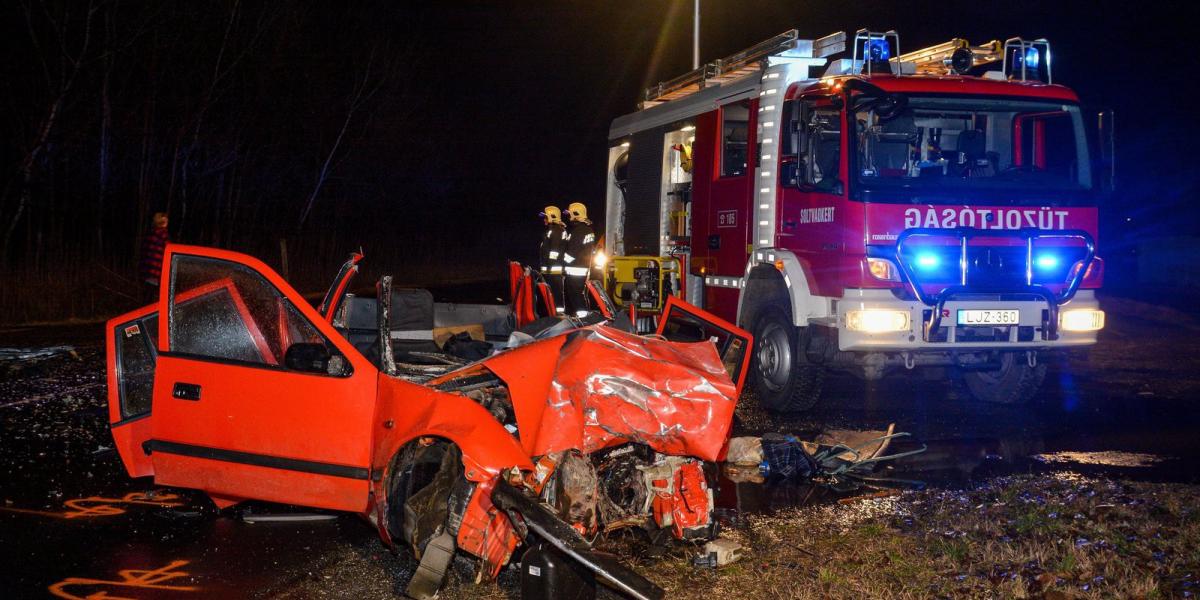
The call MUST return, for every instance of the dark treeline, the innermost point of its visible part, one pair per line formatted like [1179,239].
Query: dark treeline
[428,135]
[255,126]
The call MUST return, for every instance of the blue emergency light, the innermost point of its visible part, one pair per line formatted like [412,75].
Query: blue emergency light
[1031,57]
[927,261]
[1046,261]
[876,49]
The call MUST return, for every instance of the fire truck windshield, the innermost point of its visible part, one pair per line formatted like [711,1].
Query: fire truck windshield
[927,144]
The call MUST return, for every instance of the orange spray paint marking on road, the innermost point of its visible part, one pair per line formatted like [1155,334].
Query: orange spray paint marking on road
[129,578]
[105,507]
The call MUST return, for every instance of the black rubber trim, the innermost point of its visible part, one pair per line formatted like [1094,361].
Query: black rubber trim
[257,460]
[128,420]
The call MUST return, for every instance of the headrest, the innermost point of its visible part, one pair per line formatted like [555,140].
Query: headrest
[972,143]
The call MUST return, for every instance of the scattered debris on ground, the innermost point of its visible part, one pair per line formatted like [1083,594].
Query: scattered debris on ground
[844,459]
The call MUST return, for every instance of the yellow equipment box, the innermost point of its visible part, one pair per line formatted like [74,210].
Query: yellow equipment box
[644,281]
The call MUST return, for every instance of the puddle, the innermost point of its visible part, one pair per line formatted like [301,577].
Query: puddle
[1108,458]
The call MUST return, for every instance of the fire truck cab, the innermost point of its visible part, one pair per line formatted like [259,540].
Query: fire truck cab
[874,212]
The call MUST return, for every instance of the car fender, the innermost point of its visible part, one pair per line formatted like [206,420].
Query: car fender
[407,411]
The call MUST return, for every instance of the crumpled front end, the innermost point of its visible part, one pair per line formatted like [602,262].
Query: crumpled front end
[611,388]
[620,431]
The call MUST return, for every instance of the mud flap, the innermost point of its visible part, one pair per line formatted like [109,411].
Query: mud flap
[554,531]
[430,574]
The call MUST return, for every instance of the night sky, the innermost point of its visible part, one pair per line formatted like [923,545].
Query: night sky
[513,100]
[476,114]
[527,91]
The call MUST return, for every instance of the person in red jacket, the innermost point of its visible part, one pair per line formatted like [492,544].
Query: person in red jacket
[150,265]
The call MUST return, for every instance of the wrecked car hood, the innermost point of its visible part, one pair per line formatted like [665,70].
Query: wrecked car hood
[597,387]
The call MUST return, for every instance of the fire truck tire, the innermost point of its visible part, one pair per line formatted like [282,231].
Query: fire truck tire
[1015,382]
[782,377]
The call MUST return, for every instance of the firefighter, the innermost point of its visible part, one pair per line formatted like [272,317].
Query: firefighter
[577,261]
[554,241]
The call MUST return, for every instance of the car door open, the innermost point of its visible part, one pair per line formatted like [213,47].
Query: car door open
[683,322]
[255,394]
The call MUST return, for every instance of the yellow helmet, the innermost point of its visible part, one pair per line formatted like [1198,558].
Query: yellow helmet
[552,214]
[578,211]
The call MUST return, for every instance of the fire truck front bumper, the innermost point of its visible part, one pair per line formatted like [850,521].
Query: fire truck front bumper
[875,320]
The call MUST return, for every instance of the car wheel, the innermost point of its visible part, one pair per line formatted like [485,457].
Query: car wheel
[1015,382]
[783,378]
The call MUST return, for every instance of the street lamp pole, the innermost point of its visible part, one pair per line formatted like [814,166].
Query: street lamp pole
[696,35]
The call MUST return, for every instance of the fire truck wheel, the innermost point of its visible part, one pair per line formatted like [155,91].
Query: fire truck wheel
[1015,382]
[783,379]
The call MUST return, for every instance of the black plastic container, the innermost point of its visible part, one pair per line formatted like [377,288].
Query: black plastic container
[548,574]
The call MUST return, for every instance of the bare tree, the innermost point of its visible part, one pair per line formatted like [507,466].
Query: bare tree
[71,65]
[364,89]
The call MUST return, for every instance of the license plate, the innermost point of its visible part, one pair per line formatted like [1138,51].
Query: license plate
[988,317]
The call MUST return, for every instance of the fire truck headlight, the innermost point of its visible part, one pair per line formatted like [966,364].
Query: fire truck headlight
[1081,319]
[882,268]
[600,260]
[877,320]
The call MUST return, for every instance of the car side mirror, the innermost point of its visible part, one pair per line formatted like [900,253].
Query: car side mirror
[308,358]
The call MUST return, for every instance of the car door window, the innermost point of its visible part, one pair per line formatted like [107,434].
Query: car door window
[226,311]
[682,322]
[135,364]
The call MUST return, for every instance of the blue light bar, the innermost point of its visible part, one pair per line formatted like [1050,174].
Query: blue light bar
[1046,261]
[927,261]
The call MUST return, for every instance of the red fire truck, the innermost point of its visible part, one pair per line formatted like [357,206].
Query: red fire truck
[874,212]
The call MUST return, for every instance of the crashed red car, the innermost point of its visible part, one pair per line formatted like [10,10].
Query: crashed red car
[566,429]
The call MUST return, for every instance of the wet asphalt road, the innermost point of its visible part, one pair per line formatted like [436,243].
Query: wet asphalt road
[72,524]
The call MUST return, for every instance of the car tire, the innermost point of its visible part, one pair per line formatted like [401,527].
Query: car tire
[781,375]
[1014,383]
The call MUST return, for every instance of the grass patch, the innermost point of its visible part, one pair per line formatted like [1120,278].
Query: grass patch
[1053,536]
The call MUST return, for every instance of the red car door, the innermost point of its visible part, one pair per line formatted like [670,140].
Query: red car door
[131,355]
[683,322]
[256,396]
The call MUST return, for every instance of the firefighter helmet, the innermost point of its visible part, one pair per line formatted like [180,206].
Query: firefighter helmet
[552,214]
[578,211]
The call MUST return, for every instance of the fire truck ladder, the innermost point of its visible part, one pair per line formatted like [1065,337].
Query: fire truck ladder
[740,64]
[950,58]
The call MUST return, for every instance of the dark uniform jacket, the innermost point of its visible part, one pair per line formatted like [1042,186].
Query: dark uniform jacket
[581,245]
[554,241]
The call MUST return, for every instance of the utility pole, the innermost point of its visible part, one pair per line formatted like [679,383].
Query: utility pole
[696,36]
